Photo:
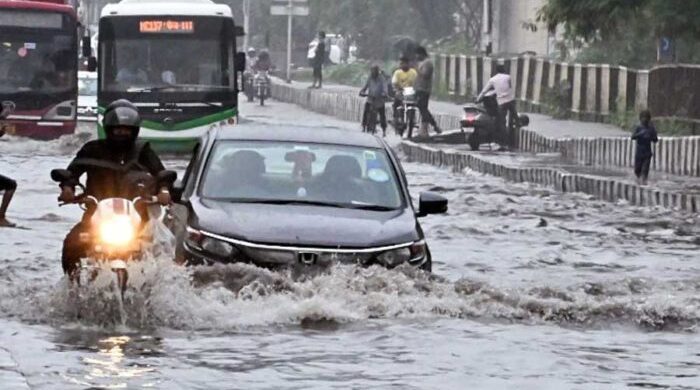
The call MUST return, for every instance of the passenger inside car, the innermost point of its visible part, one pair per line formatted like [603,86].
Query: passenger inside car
[239,175]
[341,181]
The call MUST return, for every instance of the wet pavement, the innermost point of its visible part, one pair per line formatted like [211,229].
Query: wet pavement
[531,289]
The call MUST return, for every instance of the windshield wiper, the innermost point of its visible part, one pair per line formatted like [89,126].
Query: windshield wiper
[371,207]
[289,201]
[356,206]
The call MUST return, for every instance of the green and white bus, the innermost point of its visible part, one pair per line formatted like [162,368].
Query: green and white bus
[176,60]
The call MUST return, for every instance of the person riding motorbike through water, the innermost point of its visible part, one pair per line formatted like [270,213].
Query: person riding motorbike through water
[263,63]
[108,164]
[404,77]
[251,60]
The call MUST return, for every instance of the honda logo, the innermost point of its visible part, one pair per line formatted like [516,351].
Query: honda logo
[307,258]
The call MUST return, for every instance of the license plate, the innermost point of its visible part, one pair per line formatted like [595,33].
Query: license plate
[8,129]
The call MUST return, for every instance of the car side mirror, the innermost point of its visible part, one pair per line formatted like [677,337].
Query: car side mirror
[177,191]
[91,64]
[61,175]
[431,203]
[240,62]
[87,47]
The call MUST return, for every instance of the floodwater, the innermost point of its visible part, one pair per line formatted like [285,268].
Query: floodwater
[531,289]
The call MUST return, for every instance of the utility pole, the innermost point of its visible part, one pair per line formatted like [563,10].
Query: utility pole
[289,8]
[290,19]
[246,23]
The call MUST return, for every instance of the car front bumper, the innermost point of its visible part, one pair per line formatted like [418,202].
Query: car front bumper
[277,256]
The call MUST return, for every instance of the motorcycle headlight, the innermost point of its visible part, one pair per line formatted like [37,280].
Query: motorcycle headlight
[413,254]
[117,231]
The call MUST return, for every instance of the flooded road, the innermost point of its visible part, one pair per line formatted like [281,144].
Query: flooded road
[531,289]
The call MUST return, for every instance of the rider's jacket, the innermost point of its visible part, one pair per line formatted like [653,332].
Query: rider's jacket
[107,168]
[402,79]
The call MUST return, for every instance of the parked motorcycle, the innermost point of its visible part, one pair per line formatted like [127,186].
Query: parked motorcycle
[120,229]
[405,115]
[482,116]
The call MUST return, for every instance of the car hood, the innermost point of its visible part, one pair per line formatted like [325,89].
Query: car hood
[301,225]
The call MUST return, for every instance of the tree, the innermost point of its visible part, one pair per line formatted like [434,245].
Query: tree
[601,20]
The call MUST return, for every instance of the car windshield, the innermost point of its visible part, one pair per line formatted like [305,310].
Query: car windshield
[87,86]
[303,173]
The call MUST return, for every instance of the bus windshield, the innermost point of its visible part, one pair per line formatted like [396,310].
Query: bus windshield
[151,53]
[36,59]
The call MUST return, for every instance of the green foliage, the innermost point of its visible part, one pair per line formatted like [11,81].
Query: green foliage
[625,31]
[624,119]
[556,101]
[601,19]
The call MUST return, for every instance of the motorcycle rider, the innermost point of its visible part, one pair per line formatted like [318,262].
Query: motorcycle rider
[501,86]
[107,164]
[403,77]
[376,91]
[249,72]
[263,62]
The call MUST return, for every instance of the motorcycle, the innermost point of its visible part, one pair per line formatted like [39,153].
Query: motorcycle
[482,116]
[120,229]
[405,115]
[371,115]
[261,85]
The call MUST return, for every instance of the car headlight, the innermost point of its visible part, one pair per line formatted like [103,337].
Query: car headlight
[117,231]
[413,254]
[197,240]
[217,247]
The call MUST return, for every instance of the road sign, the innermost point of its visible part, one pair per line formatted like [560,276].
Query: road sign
[297,10]
[666,50]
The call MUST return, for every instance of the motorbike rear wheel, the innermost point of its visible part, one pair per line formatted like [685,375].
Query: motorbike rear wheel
[411,122]
[372,120]
[474,140]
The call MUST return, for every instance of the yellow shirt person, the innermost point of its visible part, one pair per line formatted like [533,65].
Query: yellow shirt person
[402,79]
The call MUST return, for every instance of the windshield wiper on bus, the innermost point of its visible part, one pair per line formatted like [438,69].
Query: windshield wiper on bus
[174,86]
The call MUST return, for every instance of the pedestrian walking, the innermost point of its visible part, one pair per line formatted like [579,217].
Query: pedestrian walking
[318,60]
[645,134]
[7,187]
[423,87]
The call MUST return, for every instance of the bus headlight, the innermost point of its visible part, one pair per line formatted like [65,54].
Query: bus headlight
[117,231]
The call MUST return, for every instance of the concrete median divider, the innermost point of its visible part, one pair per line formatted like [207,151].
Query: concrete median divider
[609,189]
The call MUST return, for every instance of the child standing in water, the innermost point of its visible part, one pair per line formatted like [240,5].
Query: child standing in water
[644,134]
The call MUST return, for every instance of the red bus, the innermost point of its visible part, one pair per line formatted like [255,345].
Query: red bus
[39,66]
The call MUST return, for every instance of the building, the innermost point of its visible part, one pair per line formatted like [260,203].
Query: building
[509,27]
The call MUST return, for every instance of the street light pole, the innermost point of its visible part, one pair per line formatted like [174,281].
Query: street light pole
[289,41]
[246,23]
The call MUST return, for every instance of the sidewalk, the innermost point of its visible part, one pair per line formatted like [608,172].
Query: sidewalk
[550,161]
[542,124]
